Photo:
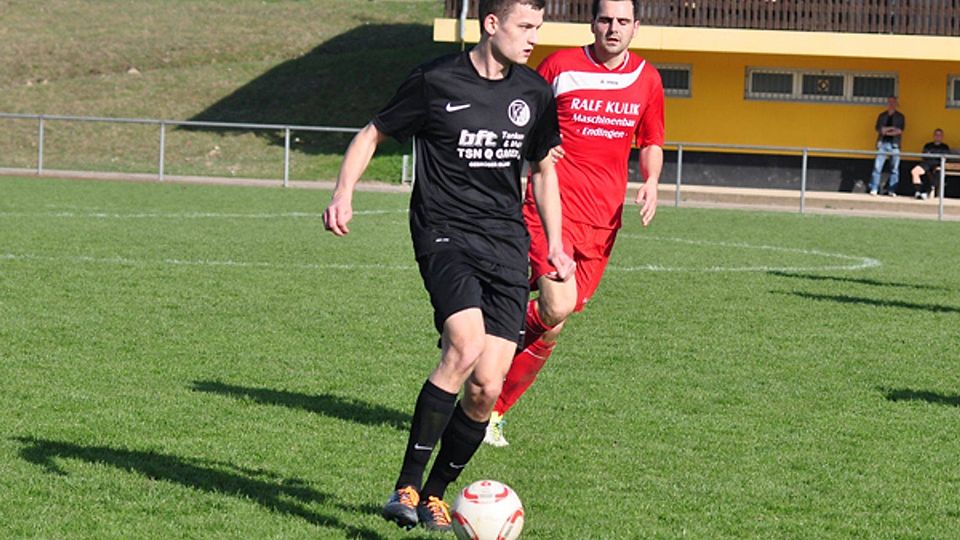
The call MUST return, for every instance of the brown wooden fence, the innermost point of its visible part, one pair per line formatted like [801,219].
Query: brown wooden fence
[918,17]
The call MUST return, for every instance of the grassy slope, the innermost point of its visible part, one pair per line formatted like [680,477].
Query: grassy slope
[174,363]
[324,63]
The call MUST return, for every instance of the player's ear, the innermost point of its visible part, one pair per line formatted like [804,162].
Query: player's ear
[491,23]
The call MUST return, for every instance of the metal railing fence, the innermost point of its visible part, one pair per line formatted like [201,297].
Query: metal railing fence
[162,125]
[803,153]
[907,17]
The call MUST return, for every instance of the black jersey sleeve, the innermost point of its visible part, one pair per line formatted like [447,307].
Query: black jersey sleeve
[406,112]
[545,134]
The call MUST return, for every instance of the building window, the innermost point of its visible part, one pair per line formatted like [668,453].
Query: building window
[767,84]
[953,91]
[874,86]
[676,79]
[822,86]
[811,85]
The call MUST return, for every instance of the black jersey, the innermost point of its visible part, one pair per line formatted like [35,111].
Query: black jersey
[472,135]
[935,148]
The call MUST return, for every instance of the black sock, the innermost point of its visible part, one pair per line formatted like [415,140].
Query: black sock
[430,418]
[460,441]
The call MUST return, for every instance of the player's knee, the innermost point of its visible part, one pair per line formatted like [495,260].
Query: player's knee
[481,396]
[557,311]
[463,352]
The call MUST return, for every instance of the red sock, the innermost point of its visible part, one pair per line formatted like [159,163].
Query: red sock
[526,364]
[533,326]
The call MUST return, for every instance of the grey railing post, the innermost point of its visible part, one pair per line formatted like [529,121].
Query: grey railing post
[676,196]
[803,182]
[40,130]
[943,181]
[462,23]
[413,161]
[286,156]
[163,148]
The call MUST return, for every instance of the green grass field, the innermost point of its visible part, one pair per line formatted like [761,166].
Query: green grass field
[206,362]
[323,62]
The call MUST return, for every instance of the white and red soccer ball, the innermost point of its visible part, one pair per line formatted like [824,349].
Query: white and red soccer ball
[487,510]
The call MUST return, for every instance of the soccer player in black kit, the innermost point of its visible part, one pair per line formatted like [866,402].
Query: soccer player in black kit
[476,116]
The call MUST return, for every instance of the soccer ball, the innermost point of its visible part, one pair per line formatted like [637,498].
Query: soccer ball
[487,510]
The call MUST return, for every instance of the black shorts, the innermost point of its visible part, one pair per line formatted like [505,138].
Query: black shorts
[928,167]
[456,280]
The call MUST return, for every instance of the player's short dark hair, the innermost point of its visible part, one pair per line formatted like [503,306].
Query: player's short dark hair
[938,129]
[595,9]
[500,8]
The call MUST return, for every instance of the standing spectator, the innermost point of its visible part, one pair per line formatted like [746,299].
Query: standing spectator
[890,125]
[923,173]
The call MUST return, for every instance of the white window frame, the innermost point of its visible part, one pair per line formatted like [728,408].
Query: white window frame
[797,93]
[673,92]
[953,101]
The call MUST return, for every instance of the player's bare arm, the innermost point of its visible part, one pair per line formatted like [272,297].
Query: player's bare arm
[651,164]
[340,210]
[546,193]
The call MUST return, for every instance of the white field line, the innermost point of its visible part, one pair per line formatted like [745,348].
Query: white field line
[852,262]
[855,262]
[125,261]
[185,215]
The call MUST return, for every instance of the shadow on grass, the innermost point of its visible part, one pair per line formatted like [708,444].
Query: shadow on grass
[283,495]
[859,281]
[326,404]
[905,394]
[846,299]
[340,83]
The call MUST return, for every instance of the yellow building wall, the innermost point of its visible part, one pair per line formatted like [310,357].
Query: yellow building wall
[718,112]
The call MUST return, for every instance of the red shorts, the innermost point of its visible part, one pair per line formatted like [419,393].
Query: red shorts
[589,246]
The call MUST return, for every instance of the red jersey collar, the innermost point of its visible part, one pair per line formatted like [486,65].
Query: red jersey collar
[588,50]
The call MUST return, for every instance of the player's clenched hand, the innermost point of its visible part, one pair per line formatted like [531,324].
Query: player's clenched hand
[337,215]
[647,197]
[563,263]
[557,153]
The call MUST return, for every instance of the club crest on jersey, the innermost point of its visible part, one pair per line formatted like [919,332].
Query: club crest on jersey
[519,112]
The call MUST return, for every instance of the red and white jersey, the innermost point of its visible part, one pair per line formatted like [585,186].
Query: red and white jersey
[602,112]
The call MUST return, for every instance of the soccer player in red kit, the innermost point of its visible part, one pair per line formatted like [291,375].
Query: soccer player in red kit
[607,99]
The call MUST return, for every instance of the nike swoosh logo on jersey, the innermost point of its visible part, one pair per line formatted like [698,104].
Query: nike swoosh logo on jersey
[454,108]
[421,447]
[455,466]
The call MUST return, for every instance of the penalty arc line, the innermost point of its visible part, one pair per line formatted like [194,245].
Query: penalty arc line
[856,262]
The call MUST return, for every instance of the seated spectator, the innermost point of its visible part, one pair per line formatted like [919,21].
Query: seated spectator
[923,174]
